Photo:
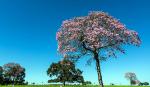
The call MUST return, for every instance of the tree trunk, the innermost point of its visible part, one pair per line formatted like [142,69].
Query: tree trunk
[13,83]
[64,83]
[100,80]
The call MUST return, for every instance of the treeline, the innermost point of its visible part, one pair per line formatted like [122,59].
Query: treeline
[12,73]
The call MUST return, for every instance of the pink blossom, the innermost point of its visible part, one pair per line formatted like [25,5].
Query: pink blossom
[96,31]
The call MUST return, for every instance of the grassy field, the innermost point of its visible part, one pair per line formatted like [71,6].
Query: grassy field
[68,86]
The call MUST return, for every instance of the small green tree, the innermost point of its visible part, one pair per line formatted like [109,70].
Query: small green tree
[146,83]
[64,71]
[143,83]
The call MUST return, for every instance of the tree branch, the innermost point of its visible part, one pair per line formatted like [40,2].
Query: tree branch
[86,47]
[110,45]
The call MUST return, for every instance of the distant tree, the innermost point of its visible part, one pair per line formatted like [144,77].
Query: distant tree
[143,83]
[64,71]
[87,83]
[14,73]
[133,82]
[132,77]
[1,76]
[140,84]
[112,84]
[33,83]
[146,83]
[98,34]
[26,83]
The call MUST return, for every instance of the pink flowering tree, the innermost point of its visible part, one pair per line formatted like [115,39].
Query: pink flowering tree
[97,34]
[14,72]
[132,77]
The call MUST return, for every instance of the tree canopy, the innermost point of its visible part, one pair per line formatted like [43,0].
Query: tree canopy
[12,73]
[96,31]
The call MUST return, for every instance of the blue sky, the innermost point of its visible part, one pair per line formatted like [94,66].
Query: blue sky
[28,29]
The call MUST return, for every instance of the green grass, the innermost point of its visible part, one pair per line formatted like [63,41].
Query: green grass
[68,86]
